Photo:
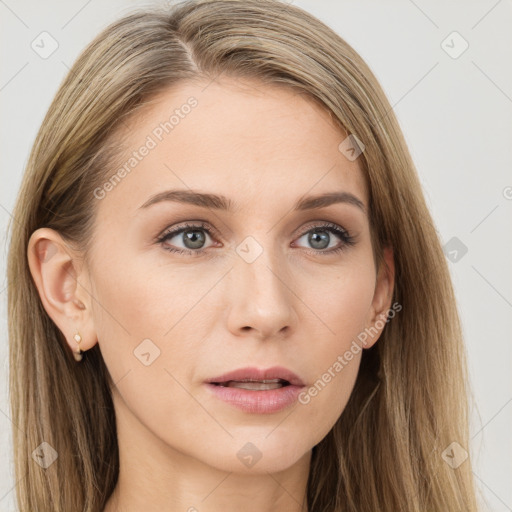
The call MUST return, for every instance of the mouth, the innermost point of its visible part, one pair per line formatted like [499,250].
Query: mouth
[257,391]
[256,385]
[255,378]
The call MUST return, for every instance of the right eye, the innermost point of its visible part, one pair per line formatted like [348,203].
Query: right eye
[192,237]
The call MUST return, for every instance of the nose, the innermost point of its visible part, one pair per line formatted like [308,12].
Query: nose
[261,299]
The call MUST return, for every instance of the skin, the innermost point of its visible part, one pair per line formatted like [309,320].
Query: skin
[263,147]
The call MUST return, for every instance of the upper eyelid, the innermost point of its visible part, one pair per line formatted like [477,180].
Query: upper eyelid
[191,225]
[203,225]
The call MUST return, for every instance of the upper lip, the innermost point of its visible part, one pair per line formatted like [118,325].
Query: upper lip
[251,373]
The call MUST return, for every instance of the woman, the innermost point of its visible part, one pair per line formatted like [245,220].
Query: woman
[225,288]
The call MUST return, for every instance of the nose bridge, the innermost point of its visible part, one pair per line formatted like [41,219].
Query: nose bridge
[262,299]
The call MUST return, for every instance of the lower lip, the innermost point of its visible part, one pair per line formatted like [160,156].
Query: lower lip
[258,402]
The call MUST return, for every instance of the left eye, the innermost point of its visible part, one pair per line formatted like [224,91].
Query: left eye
[320,237]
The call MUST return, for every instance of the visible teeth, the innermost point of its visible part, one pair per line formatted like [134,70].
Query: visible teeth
[256,385]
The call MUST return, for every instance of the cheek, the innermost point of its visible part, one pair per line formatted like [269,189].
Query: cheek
[128,314]
[343,306]
[141,323]
[136,301]
[326,397]
[148,321]
[339,302]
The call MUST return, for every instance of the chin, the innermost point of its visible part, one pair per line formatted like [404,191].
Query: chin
[261,453]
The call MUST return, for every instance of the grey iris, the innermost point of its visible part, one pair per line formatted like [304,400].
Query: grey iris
[319,237]
[194,239]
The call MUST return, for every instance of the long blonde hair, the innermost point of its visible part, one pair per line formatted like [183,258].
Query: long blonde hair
[410,400]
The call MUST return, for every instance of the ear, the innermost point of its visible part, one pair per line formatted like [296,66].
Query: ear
[382,298]
[62,285]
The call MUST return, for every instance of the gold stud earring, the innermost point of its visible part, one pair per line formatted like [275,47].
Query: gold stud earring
[78,353]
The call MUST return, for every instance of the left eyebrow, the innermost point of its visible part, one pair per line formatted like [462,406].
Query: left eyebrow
[219,202]
[323,200]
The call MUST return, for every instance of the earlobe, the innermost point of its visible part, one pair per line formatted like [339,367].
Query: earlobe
[55,269]
[382,297]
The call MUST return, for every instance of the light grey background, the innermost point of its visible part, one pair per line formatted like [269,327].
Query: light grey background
[456,115]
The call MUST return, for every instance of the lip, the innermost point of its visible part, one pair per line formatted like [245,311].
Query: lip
[275,372]
[254,401]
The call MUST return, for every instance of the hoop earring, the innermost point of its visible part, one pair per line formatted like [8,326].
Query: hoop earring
[78,353]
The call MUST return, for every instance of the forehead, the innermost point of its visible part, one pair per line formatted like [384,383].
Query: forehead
[238,138]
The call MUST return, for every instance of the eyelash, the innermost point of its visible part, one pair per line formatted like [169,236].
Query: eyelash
[347,239]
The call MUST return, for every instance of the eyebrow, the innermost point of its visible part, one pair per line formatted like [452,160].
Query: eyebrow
[219,202]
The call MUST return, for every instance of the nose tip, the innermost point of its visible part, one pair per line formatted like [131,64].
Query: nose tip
[261,301]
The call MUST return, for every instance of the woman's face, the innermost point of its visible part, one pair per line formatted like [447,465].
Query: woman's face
[256,282]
